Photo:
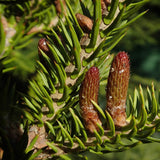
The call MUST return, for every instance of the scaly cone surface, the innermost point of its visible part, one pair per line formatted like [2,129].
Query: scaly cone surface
[89,91]
[117,86]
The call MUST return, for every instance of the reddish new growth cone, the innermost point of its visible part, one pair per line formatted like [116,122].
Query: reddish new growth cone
[116,91]
[89,91]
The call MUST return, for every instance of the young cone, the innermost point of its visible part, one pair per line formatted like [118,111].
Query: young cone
[89,91]
[116,91]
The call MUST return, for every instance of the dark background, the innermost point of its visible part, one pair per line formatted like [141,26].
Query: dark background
[142,42]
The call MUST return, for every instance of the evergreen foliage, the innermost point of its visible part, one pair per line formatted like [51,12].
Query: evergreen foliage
[40,113]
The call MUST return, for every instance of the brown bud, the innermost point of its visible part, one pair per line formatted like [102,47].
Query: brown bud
[42,44]
[104,5]
[89,91]
[58,5]
[116,91]
[85,22]
[107,2]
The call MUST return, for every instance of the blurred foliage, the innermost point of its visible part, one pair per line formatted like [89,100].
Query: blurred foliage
[23,29]
[24,60]
[142,152]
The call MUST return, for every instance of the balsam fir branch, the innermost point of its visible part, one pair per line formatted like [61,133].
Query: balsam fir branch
[68,54]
